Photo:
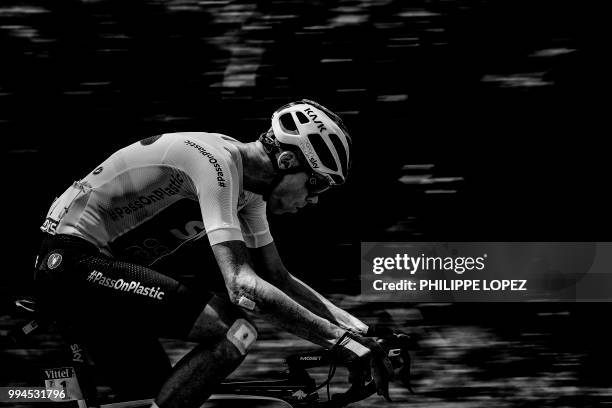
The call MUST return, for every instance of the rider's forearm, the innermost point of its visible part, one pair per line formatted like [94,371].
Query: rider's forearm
[316,303]
[266,299]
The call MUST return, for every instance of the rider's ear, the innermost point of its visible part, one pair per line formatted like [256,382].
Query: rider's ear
[287,160]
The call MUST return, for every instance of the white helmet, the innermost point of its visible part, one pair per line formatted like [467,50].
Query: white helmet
[319,134]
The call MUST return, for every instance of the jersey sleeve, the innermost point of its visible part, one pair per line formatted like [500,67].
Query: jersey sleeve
[254,223]
[216,185]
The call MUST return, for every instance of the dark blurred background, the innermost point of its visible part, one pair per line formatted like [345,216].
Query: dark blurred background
[472,120]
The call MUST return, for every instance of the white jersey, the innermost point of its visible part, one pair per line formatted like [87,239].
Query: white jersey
[149,198]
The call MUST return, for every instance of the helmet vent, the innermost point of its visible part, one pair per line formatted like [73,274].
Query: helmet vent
[322,151]
[288,123]
[302,118]
[340,150]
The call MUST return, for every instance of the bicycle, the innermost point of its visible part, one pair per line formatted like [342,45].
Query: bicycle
[297,389]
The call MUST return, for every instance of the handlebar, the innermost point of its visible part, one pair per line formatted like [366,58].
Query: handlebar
[397,347]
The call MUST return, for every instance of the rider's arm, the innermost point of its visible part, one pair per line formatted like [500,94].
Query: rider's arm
[248,290]
[271,267]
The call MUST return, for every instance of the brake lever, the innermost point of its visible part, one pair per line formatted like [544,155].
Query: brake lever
[397,347]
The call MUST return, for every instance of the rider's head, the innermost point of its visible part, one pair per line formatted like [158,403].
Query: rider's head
[309,148]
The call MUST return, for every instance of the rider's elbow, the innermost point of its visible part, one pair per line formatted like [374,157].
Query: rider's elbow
[242,291]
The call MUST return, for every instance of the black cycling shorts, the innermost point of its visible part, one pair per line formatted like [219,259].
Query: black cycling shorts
[89,289]
[118,310]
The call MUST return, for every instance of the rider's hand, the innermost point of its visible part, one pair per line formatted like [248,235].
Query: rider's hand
[364,357]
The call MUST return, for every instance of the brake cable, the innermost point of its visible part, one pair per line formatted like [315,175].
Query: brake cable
[332,369]
[405,373]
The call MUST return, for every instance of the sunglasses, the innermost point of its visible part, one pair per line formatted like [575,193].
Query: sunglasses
[316,184]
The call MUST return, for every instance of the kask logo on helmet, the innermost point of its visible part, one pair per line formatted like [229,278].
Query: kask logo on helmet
[314,117]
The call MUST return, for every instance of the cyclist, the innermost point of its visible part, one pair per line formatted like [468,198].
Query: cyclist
[105,233]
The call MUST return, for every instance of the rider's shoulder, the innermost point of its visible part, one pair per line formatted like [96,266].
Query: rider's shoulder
[205,136]
[204,142]
[215,148]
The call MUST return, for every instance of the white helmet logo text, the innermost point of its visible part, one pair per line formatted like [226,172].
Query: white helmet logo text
[308,151]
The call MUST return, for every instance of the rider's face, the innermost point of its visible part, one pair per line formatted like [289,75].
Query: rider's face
[290,194]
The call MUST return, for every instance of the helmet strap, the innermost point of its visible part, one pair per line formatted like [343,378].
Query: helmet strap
[271,147]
